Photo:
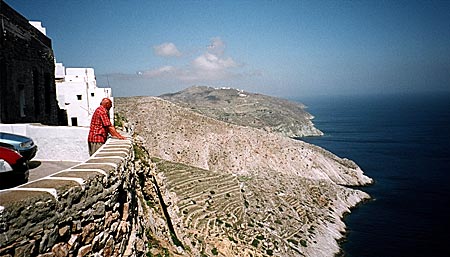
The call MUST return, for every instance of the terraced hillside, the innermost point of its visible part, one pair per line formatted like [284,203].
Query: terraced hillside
[240,191]
[243,216]
[248,109]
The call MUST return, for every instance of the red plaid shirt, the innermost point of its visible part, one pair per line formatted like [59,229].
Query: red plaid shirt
[100,122]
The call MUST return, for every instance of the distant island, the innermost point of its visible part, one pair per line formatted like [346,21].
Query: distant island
[230,180]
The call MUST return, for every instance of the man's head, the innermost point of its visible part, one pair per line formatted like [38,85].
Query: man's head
[106,102]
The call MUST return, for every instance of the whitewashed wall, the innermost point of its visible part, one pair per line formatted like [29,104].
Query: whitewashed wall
[54,143]
[74,82]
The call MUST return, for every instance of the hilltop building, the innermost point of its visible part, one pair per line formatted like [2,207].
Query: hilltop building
[27,81]
[78,94]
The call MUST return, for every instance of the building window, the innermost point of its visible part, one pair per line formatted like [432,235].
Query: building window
[79,97]
[74,121]
[92,94]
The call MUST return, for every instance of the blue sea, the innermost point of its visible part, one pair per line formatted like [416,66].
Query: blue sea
[402,142]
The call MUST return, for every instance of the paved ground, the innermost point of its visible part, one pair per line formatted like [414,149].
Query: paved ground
[40,169]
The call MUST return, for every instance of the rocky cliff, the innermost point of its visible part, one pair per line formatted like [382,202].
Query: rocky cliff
[231,190]
[248,109]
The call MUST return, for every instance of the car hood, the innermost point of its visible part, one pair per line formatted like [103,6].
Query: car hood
[15,140]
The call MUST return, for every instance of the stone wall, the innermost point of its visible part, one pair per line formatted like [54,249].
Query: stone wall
[88,210]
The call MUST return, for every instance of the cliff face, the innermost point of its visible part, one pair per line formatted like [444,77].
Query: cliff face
[248,109]
[234,190]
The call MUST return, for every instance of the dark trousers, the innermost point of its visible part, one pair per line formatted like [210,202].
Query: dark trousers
[93,147]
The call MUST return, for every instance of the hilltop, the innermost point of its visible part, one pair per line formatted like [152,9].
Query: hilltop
[248,109]
[235,190]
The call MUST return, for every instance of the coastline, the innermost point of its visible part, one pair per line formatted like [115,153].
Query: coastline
[398,140]
[267,164]
[344,238]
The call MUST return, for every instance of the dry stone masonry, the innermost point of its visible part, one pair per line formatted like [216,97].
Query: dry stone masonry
[81,211]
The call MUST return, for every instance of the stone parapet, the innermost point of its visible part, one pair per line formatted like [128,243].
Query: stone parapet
[81,211]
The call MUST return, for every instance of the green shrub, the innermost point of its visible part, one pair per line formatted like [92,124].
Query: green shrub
[232,239]
[303,243]
[255,242]
[295,242]
[119,120]
[140,154]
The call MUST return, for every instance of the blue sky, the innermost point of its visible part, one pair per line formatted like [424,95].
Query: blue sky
[280,48]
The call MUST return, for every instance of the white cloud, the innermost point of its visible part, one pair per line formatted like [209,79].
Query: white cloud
[159,72]
[166,50]
[210,66]
[212,63]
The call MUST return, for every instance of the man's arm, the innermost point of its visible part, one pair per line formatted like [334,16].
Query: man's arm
[112,130]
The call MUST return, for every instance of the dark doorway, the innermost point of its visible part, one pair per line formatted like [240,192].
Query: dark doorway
[74,121]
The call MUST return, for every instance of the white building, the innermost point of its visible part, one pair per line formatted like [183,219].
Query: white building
[78,94]
[38,25]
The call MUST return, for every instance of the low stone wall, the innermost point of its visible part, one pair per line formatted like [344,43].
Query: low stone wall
[86,210]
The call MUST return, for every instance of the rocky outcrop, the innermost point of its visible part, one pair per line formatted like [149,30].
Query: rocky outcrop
[230,190]
[248,109]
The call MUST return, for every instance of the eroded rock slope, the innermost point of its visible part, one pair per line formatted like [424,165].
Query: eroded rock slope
[241,191]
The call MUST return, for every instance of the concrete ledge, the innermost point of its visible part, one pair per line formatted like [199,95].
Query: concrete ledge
[60,185]
[103,162]
[86,174]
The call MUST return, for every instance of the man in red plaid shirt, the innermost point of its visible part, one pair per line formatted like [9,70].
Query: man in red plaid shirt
[101,126]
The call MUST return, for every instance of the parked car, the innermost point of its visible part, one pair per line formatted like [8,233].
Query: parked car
[13,168]
[24,145]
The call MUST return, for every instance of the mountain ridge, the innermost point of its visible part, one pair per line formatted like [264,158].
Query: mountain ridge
[248,109]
